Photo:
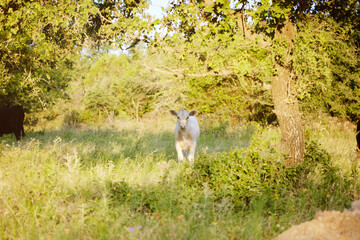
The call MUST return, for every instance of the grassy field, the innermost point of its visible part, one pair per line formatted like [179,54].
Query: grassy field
[121,181]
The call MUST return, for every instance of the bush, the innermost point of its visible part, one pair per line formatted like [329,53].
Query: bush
[224,96]
[72,118]
[241,174]
[245,176]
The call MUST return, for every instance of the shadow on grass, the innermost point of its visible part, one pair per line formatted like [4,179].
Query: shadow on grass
[93,146]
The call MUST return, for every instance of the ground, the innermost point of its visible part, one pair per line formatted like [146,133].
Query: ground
[328,225]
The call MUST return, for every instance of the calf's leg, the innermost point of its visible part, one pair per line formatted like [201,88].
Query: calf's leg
[192,152]
[179,152]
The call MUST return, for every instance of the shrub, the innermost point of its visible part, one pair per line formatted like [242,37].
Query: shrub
[259,172]
[224,96]
[241,174]
[72,118]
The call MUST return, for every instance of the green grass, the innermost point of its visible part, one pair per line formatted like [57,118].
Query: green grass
[123,183]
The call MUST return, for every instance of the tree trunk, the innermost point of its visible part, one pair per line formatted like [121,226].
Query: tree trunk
[286,104]
[289,116]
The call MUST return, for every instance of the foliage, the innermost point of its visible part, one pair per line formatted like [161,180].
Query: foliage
[240,175]
[327,64]
[36,48]
[268,16]
[121,85]
[40,41]
[243,175]
[324,58]
[223,54]
[227,73]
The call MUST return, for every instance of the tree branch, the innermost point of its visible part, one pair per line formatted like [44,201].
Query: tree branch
[178,73]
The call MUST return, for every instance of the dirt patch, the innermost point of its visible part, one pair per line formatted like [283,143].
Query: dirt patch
[329,225]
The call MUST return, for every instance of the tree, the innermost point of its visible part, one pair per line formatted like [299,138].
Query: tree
[41,39]
[224,25]
[283,17]
[214,34]
[119,85]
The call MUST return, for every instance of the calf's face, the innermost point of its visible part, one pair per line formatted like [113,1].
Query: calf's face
[183,117]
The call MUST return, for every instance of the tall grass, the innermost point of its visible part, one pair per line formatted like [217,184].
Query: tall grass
[123,183]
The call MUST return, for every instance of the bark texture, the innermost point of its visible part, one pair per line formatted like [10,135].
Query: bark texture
[286,104]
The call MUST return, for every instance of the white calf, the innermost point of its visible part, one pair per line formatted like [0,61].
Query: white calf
[187,132]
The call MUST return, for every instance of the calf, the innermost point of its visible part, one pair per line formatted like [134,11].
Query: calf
[187,132]
[12,121]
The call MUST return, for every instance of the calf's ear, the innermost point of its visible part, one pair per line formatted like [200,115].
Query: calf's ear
[193,113]
[172,112]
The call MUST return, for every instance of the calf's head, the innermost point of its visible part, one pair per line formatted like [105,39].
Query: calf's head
[183,117]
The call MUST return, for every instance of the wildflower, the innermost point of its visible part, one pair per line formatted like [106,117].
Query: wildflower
[157,215]
[129,194]
[292,209]
[327,195]
[276,197]
[160,223]
[132,229]
[179,217]
[39,198]
[162,165]
[214,223]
